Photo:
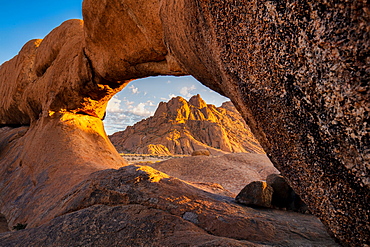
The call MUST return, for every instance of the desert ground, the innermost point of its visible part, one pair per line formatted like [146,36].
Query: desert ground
[149,158]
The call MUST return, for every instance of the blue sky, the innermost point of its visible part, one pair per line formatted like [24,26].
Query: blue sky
[21,21]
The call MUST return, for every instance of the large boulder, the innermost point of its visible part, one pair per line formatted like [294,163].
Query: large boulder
[51,91]
[256,194]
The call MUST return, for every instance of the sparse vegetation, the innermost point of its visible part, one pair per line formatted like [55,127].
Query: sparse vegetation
[152,158]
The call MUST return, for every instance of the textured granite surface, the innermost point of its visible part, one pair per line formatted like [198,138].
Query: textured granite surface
[298,71]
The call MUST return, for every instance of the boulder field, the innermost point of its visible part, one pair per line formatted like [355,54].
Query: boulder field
[296,70]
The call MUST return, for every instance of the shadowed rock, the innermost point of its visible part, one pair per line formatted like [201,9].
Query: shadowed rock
[298,72]
[3,224]
[283,195]
[256,194]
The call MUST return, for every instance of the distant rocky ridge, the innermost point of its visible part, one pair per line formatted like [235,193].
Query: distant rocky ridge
[181,127]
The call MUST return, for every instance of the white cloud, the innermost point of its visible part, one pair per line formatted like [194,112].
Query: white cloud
[121,112]
[140,110]
[171,95]
[186,91]
[128,103]
[134,90]
[114,105]
[119,121]
[150,103]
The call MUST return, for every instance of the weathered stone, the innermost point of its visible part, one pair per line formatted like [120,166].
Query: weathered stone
[283,193]
[231,171]
[257,193]
[50,87]
[3,224]
[131,225]
[37,83]
[298,72]
[139,206]
[190,216]
[201,152]
[39,164]
[124,40]
[182,127]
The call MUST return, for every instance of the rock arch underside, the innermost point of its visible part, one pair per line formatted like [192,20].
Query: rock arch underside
[297,71]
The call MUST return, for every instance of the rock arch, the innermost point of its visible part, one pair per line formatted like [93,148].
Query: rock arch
[296,70]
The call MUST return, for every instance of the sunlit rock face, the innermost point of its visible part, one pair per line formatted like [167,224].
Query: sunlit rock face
[298,71]
[124,39]
[56,88]
[52,75]
[181,127]
[140,206]
[50,89]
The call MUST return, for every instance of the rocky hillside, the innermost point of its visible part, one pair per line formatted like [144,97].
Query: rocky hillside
[180,127]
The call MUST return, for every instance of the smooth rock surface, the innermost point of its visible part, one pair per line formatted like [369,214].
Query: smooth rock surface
[124,39]
[39,164]
[50,89]
[231,171]
[137,205]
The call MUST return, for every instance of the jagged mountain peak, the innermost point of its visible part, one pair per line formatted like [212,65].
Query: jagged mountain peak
[180,110]
[180,127]
[197,101]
